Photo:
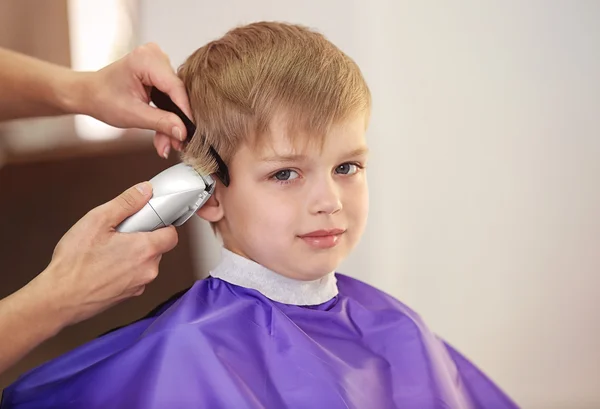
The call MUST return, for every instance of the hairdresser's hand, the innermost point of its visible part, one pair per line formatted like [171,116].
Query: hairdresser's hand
[119,95]
[95,267]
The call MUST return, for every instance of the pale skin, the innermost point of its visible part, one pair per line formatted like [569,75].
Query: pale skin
[280,192]
[93,267]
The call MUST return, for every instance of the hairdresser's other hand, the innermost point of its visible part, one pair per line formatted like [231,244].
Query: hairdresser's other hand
[119,94]
[94,267]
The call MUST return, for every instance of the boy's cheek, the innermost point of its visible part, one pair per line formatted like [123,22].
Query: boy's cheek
[356,194]
[260,212]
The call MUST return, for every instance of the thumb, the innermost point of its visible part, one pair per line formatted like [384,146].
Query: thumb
[161,121]
[129,202]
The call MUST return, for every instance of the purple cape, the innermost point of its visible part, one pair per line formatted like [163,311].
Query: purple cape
[219,345]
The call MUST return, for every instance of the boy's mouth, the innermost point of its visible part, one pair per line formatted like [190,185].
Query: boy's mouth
[323,239]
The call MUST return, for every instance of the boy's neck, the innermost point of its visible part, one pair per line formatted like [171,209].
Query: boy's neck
[243,272]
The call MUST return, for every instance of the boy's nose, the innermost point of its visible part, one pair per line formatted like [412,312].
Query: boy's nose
[326,198]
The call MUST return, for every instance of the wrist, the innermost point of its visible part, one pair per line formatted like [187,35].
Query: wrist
[48,303]
[69,92]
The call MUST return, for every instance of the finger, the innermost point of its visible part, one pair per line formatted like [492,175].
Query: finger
[168,82]
[154,69]
[162,144]
[163,240]
[177,145]
[158,120]
[127,203]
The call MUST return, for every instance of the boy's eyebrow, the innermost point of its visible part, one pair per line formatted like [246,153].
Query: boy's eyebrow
[363,150]
[284,158]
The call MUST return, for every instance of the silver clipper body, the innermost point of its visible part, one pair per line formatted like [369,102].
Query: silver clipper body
[177,193]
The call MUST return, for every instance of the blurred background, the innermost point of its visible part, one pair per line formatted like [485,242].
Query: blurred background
[485,139]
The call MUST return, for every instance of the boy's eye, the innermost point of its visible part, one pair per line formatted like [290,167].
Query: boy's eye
[286,174]
[347,169]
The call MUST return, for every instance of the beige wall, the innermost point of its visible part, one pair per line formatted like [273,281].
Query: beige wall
[485,210]
[37,28]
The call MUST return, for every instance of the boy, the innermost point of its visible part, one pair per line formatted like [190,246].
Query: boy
[274,326]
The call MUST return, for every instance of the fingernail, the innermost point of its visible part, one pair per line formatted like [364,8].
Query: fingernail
[166,152]
[143,188]
[177,133]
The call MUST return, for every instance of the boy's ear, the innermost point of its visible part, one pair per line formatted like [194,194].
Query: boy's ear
[212,210]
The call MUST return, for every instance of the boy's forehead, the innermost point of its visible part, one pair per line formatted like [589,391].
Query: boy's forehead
[285,144]
[285,139]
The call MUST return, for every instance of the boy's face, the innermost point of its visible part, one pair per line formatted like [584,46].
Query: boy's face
[297,212]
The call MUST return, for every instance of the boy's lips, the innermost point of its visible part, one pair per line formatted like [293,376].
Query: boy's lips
[323,232]
[323,239]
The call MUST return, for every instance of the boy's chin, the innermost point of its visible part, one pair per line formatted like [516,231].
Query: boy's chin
[316,266]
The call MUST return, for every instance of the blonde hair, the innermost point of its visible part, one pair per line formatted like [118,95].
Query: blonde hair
[238,83]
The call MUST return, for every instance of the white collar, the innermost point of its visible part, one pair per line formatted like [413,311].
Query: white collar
[243,272]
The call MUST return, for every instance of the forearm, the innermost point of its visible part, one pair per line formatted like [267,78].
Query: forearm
[27,318]
[31,87]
